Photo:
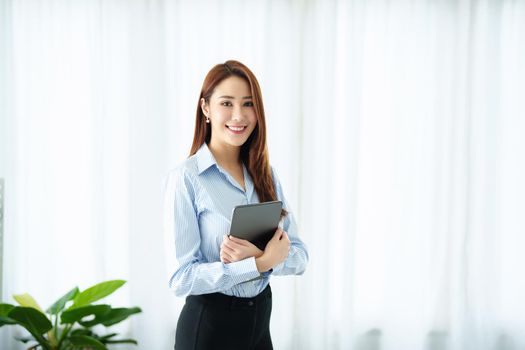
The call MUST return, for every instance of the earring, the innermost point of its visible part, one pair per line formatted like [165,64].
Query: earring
[207,120]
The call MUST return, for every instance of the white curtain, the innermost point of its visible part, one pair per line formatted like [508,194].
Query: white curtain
[396,128]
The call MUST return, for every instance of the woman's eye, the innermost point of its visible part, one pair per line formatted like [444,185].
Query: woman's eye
[226,103]
[249,104]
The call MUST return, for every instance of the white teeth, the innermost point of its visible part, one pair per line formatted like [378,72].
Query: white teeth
[236,128]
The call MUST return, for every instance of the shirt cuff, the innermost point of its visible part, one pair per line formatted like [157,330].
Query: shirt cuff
[279,267]
[242,271]
[267,273]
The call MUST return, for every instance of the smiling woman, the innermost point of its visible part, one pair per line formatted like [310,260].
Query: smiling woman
[231,98]
[232,113]
[226,279]
[396,128]
[232,120]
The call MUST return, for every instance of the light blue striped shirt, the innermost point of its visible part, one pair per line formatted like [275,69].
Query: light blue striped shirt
[199,199]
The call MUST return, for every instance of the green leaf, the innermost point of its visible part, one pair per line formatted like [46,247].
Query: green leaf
[119,314]
[27,300]
[60,303]
[107,336]
[82,331]
[31,319]
[5,308]
[75,315]
[112,317]
[85,340]
[34,321]
[96,292]
[6,320]
[122,341]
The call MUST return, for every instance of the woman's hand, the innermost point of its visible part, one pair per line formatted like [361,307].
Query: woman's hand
[276,251]
[235,249]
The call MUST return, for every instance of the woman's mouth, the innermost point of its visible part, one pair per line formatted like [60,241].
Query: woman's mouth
[236,129]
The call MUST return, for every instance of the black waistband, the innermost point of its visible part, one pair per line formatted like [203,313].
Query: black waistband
[227,300]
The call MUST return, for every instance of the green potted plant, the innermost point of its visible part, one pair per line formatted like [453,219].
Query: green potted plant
[67,324]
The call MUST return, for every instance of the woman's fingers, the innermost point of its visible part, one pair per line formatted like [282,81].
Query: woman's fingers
[226,242]
[225,257]
[228,250]
[278,234]
[232,244]
[238,240]
[238,249]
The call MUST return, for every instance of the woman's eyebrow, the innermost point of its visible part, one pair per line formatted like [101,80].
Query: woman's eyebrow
[231,97]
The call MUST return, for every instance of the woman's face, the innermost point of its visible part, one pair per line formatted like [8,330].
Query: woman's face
[231,113]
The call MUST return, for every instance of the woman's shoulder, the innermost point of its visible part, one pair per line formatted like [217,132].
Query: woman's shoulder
[186,169]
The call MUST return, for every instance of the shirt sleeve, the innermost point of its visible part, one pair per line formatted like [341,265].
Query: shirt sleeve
[295,263]
[190,275]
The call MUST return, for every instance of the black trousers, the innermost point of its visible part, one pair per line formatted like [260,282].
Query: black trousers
[221,322]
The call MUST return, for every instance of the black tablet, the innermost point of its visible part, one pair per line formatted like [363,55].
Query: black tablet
[256,222]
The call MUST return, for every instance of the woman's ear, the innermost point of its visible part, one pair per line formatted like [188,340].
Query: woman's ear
[205,107]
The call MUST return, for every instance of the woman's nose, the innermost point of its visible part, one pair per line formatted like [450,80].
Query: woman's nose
[237,113]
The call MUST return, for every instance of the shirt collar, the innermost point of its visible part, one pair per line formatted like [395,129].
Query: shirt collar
[205,158]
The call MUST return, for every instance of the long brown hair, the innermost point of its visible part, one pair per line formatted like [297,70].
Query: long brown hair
[254,152]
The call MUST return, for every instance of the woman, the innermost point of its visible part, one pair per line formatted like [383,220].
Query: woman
[226,279]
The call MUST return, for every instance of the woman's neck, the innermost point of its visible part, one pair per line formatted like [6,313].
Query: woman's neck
[226,155]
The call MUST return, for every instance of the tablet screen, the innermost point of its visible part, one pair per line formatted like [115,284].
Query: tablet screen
[256,222]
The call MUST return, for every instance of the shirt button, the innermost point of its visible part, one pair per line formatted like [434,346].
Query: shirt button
[250,303]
